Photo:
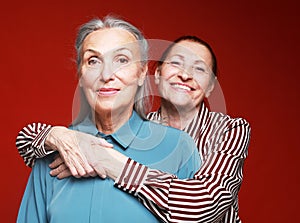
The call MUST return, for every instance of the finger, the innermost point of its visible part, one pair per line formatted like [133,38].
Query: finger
[90,171]
[93,174]
[64,174]
[100,170]
[67,164]
[57,161]
[75,164]
[64,171]
[56,171]
[67,173]
[83,167]
[103,142]
[74,172]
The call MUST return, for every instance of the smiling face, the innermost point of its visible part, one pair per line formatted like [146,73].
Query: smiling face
[185,76]
[111,70]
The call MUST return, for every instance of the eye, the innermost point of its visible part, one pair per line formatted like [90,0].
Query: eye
[122,60]
[176,63]
[93,61]
[200,69]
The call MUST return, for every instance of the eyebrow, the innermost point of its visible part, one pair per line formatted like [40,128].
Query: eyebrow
[177,55]
[183,57]
[100,54]
[91,51]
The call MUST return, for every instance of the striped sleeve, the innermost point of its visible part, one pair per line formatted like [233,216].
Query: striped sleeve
[30,142]
[211,196]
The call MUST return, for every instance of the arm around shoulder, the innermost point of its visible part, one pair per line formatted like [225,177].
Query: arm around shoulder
[30,142]
[211,194]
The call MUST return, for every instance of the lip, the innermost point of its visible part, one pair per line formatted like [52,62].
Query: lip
[107,91]
[182,87]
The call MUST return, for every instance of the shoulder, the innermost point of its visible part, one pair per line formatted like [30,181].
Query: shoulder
[172,137]
[176,148]
[41,167]
[168,129]
[226,122]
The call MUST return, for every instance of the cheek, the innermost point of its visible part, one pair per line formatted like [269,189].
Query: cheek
[167,73]
[164,88]
[88,77]
[128,76]
[203,82]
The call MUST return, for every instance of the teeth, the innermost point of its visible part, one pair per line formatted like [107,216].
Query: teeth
[182,87]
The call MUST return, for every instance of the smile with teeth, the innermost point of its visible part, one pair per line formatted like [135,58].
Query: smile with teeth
[182,87]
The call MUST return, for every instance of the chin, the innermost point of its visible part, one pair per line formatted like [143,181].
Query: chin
[181,102]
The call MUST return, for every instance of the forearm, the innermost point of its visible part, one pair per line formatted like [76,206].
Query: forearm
[30,142]
[208,197]
[177,200]
[54,138]
[107,162]
[38,140]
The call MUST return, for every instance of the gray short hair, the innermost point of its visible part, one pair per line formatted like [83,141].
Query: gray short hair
[143,99]
[109,22]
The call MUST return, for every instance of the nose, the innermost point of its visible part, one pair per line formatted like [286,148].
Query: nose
[186,73]
[107,72]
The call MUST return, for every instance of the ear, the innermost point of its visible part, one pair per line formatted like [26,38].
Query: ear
[80,81]
[156,76]
[211,87]
[143,75]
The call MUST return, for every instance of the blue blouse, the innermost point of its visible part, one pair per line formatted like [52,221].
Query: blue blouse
[47,199]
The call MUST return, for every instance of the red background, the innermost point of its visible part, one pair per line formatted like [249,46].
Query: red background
[257,47]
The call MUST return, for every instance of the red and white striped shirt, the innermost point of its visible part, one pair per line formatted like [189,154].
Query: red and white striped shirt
[211,196]
[30,142]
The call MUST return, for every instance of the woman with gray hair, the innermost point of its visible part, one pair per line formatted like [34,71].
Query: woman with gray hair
[111,59]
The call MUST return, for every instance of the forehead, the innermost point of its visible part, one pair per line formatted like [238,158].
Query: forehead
[108,39]
[191,50]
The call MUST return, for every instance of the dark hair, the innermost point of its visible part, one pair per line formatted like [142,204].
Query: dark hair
[193,39]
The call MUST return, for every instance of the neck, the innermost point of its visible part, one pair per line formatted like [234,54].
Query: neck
[110,122]
[177,117]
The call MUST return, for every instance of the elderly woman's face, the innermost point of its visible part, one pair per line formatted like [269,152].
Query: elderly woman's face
[185,75]
[111,70]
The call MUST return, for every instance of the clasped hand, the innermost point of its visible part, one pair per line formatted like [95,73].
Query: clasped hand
[80,154]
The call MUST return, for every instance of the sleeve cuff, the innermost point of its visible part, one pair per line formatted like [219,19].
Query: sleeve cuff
[132,177]
[39,143]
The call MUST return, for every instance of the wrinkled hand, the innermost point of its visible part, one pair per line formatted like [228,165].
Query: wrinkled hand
[60,169]
[106,162]
[73,146]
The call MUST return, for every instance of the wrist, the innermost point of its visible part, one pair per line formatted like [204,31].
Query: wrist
[53,137]
[117,162]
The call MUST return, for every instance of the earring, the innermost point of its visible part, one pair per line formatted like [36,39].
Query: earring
[156,80]
[140,82]
[157,76]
